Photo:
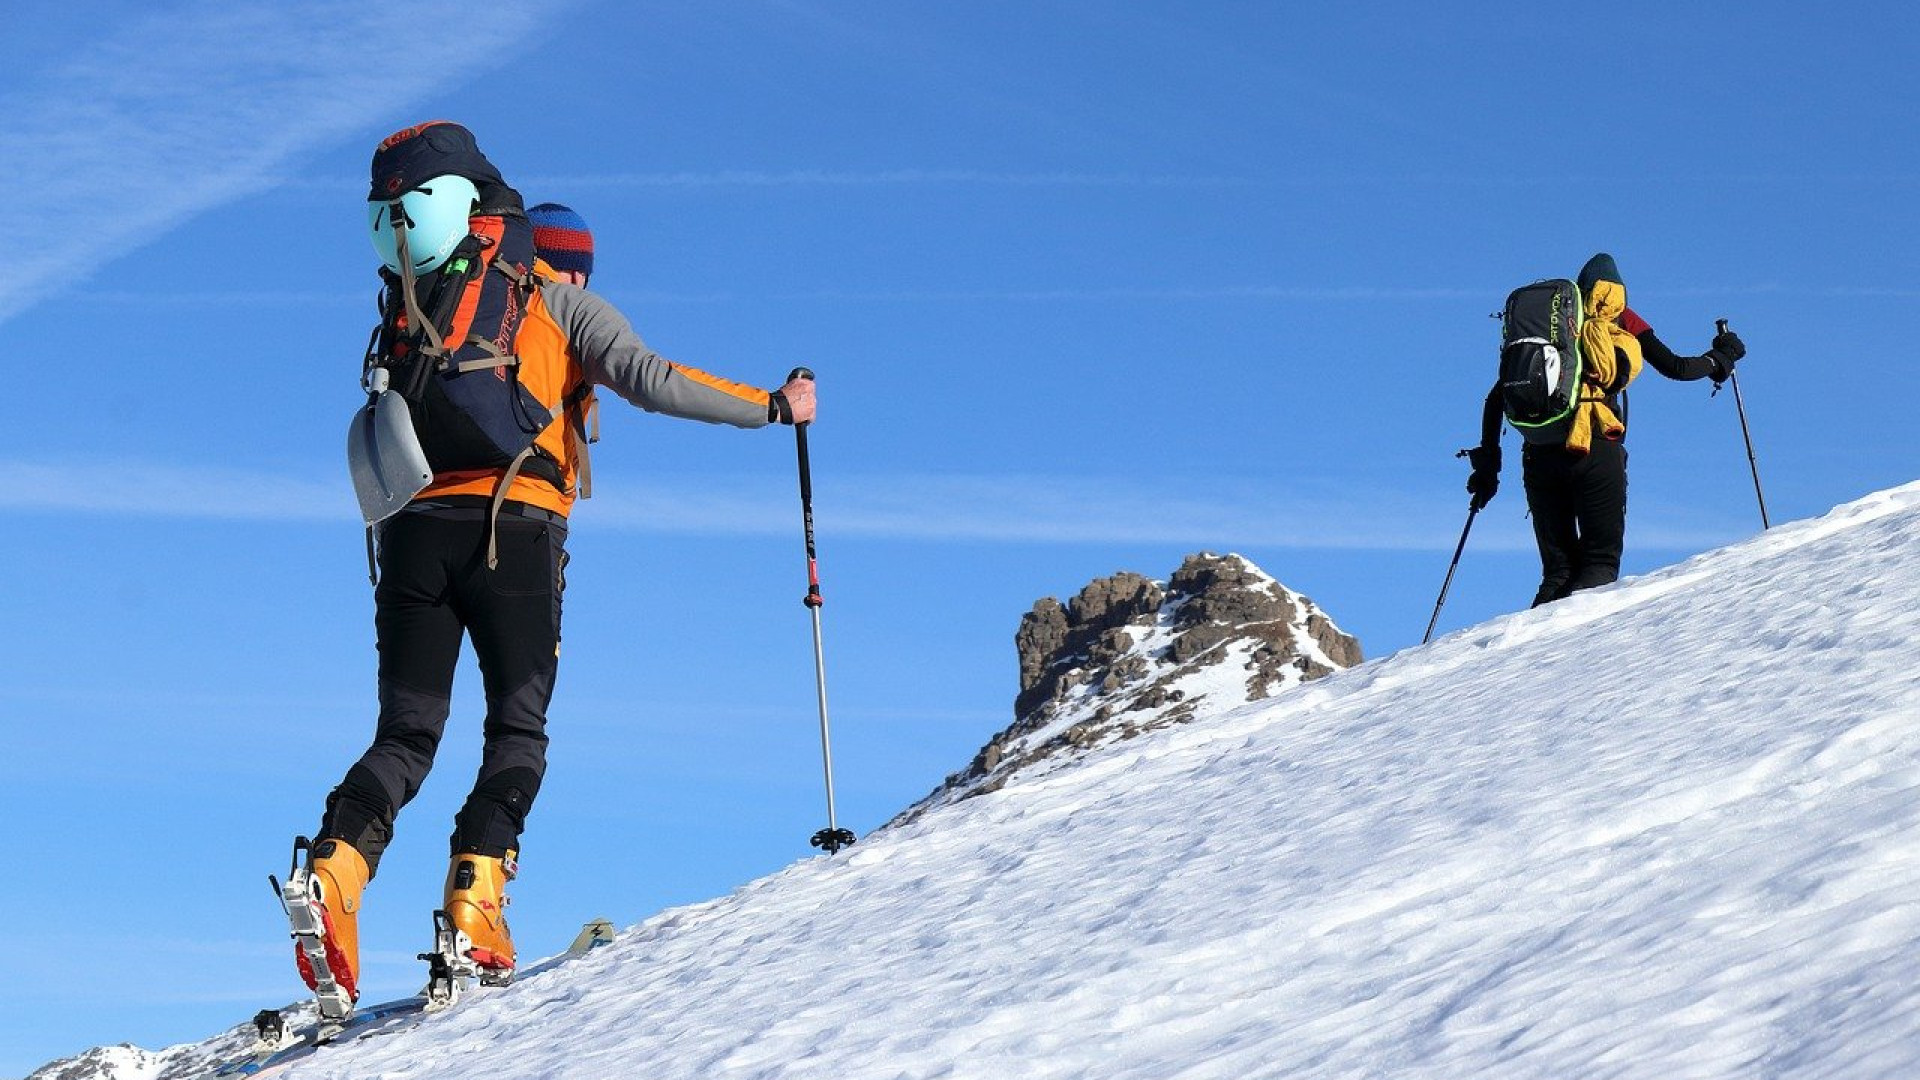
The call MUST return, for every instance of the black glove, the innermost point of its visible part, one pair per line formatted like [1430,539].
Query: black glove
[1726,352]
[1486,474]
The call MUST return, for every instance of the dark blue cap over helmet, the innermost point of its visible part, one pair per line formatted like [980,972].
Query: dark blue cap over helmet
[408,158]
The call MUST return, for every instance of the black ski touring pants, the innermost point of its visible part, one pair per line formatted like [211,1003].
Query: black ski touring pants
[1579,508]
[434,588]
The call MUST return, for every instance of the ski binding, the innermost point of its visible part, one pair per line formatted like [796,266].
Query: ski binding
[308,925]
[450,966]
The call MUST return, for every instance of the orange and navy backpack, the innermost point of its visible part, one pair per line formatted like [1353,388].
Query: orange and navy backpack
[447,344]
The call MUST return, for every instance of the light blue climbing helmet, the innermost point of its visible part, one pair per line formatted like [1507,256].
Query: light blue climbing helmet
[433,216]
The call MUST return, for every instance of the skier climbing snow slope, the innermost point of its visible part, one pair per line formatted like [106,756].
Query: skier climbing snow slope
[1662,828]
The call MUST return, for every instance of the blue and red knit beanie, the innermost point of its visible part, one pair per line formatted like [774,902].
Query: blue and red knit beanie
[561,237]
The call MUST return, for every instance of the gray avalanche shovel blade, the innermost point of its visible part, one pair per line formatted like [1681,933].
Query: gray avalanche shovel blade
[384,455]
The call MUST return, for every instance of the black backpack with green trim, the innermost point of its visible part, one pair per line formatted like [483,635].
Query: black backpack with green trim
[1540,361]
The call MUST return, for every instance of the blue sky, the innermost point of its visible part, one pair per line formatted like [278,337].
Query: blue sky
[1087,288]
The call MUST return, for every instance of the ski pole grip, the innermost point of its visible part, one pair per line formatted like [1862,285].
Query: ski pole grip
[1719,325]
[807,374]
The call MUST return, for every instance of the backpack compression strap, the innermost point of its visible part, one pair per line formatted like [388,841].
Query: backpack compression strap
[580,401]
[524,283]
[583,430]
[410,296]
[513,470]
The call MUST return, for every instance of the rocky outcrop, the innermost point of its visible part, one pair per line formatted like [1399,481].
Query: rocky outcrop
[1129,654]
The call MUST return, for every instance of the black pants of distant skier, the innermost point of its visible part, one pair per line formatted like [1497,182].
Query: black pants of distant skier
[1579,509]
[434,587]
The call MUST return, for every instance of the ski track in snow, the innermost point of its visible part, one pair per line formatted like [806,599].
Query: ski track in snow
[1668,829]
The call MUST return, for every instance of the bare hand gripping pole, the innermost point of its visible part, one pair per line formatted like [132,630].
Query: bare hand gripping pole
[832,838]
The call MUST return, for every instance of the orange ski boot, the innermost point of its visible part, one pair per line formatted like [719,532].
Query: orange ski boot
[324,903]
[476,905]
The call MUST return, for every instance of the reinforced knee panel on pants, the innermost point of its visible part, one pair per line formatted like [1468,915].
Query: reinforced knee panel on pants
[388,775]
[360,814]
[496,813]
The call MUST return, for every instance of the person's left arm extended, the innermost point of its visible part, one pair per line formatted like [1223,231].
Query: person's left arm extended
[616,357]
[1716,363]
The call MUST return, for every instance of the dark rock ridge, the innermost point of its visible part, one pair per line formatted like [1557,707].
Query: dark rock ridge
[1129,655]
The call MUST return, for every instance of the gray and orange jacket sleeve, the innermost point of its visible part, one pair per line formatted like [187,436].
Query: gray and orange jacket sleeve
[613,355]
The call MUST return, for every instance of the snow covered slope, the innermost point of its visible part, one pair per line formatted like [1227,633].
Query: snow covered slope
[1666,829]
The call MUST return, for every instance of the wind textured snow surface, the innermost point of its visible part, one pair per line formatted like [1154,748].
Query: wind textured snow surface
[1668,829]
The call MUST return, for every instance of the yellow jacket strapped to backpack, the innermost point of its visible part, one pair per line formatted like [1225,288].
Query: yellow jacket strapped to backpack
[1604,344]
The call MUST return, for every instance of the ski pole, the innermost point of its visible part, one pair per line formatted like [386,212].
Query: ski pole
[1741,408]
[832,838]
[1473,509]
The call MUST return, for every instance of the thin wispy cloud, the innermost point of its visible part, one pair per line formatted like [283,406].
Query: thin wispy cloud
[1168,293]
[1626,179]
[690,179]
[146,489]
[1157,294]
[176,111]
[877,178]
[622,296]
[1026,509]
[306,298]
[826,178]
[993,509]
[1482,294]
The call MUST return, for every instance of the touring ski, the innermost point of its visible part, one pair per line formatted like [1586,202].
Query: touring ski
[277,1043]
